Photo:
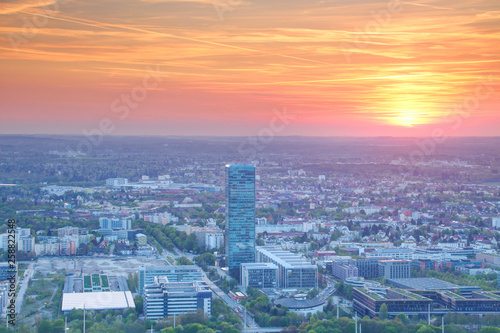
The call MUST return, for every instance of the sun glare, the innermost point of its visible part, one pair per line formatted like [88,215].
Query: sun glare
[407,119]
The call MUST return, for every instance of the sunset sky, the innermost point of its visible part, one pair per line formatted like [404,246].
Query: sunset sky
[227,67]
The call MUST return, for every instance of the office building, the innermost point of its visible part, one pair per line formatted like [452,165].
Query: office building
[424,302]
[344,270]
[368,267]
[293,271]
[395,269]
[240,216]
[186,273]
[432,284]
[301,305]
[368,303]
[259,275]
[163,298]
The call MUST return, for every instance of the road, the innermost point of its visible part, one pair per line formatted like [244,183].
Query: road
[262,330]
[245,317]
[24,281]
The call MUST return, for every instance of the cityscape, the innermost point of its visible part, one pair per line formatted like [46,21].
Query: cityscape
[340,238]
[227,166]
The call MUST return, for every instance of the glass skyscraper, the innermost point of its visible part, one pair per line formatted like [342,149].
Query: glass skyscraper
[240,217]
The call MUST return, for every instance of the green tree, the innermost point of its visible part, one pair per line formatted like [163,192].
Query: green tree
[45,326]
[404,319]
[383,312]
[58,326]
[425,329]
[139,304]
[490,329]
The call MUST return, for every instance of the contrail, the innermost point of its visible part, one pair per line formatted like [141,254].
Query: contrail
[110,26]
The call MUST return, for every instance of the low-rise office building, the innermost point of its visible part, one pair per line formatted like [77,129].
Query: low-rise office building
[344,270]
[163,298]
[395,269]
[259,275]
[368,303]
[293,271]
[187,273]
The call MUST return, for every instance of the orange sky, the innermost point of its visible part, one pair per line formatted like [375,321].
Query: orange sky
[220,67]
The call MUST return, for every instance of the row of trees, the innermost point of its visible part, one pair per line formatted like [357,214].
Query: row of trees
[168,237]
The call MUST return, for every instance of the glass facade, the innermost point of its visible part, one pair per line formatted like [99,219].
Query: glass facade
[240,216]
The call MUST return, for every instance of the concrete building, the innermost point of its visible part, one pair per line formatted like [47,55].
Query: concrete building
[495,222]
[395,269]
[163,298]
[26,243]
[115,223]
[424,302]
[293,271]
[431,284]
[368,267]
[259,275]
[67,231]
[301,305]
[368,303]
[394,253]
[186,273]
[344,270]
[214,240]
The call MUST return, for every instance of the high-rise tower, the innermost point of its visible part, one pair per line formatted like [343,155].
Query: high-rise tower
[240,216]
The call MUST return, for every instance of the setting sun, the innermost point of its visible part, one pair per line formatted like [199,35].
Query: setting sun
[223,72]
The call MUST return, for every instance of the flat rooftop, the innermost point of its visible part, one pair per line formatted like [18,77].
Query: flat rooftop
[284,258]
[427,284]
[259,265]
[110,300]
[422,283]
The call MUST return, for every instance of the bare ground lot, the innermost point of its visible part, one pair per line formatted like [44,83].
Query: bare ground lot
[43,289]
[91,265]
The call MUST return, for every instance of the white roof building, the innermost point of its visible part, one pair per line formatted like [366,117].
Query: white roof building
[110,300]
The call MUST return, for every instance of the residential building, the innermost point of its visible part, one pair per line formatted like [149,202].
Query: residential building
[115,223]
[67,231]
[214,240]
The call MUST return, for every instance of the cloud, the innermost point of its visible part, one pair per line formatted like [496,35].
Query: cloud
[10,7]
